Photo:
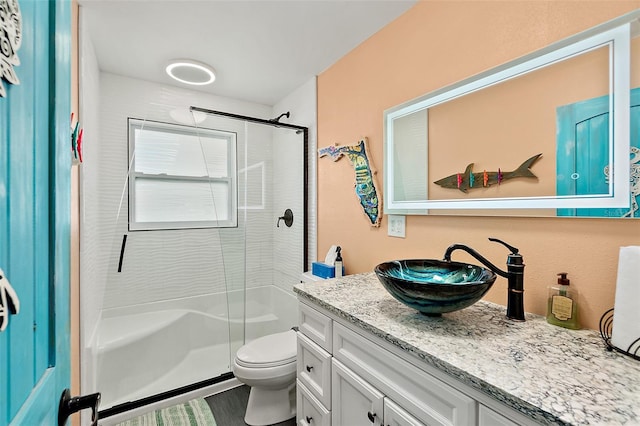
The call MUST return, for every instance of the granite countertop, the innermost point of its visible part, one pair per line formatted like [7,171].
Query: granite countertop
[551,374]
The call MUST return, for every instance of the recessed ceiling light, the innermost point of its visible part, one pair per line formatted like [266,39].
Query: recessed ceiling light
[191,72]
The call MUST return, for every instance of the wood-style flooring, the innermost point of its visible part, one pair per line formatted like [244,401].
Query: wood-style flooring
[228,407]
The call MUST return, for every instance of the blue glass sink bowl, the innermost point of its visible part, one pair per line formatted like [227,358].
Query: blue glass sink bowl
[435,287]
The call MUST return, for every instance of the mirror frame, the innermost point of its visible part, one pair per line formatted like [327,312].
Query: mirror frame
[617,35]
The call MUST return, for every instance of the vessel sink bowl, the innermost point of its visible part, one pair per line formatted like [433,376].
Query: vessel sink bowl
[435,287]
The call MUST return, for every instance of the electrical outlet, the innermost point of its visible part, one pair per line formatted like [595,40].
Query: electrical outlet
[396,226]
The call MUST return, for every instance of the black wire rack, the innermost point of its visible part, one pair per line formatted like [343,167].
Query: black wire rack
[606,325]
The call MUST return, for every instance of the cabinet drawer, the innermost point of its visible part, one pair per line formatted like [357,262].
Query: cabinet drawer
[309,411]
[488,417]
[315,326]
[314,369]
[424,396]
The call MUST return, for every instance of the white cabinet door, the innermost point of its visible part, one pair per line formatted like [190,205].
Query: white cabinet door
[354,402]
[394,415]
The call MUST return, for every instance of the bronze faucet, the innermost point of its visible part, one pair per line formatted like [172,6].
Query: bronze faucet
[514,276]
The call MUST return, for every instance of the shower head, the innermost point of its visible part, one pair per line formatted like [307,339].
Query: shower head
[284,114]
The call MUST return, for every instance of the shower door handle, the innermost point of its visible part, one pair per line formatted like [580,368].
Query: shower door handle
[69,405]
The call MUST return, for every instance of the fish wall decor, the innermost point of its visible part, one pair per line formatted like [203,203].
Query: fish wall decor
[365,184]
[468,180]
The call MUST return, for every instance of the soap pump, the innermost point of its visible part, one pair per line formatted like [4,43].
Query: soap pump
[338,262]
[562,306]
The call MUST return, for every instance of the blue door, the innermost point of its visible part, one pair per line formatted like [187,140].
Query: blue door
[35,165]
[583,153]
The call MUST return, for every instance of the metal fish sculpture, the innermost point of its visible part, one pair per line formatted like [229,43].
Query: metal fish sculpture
[469,180]
[365,185]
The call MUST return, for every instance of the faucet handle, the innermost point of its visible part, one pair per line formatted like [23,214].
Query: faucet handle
[514,257]
[513,249]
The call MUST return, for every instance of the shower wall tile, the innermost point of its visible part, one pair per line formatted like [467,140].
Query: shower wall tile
[259,240]
[259,219]
[288,192]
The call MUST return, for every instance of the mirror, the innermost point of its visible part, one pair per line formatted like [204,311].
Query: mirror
[545,135]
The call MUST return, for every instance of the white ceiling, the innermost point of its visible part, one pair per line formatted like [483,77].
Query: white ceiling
[261,50]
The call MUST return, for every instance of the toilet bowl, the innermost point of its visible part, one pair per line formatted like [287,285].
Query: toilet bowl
[268,366]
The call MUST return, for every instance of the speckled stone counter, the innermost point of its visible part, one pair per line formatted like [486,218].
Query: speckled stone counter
[551,374]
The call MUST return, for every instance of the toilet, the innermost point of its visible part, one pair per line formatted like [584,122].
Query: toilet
[268,366]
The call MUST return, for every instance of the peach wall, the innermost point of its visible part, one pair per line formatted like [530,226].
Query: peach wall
[434,44]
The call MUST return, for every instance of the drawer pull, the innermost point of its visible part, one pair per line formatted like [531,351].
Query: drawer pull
[371,416]
[309,368]
[308,419]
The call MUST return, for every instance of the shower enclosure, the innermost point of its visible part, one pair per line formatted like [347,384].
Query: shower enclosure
[185,251]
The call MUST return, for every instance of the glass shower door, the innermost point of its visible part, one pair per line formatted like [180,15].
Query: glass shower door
[169,259]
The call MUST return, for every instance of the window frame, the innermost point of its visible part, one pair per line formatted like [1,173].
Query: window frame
[231,179]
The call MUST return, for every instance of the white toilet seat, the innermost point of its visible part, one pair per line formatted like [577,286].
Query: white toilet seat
[265,376]
[268,351]
[239,361]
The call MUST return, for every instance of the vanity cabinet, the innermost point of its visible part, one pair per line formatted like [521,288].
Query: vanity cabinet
[347,378]
[471,367]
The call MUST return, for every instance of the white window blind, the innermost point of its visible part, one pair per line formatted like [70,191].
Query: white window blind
[181,177]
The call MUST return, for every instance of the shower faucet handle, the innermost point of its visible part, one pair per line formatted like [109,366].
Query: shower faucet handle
[287,217]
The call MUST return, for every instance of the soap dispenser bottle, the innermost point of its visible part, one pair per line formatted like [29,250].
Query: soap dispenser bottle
[338,263]
[562,306]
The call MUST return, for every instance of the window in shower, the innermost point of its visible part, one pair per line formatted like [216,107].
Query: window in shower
[181,177]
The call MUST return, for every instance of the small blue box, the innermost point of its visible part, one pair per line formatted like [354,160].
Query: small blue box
[320,269]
